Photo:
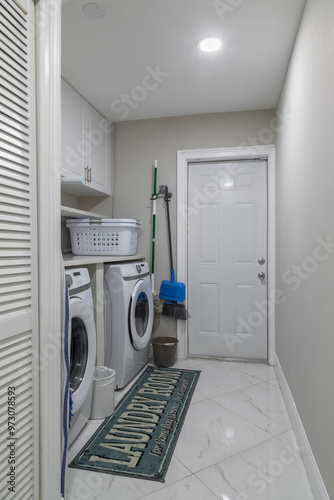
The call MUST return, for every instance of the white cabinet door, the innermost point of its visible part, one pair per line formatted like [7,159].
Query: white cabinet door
[98,137]
[74,150]
[86,147]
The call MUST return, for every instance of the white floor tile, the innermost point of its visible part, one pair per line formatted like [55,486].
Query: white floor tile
[212,433]
[261,404]
[219,378]
[261,371]
[197,396]
[189,488]
[96,486]
[270,470]
[226,449]
[275,382]
[191,363]
[289,439]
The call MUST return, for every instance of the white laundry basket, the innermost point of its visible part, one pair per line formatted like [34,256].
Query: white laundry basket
[103,237]
[103,399]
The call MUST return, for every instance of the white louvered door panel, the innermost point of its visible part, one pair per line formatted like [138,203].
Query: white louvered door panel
[18,270]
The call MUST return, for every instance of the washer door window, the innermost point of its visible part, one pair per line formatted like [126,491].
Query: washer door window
[82,351]
[79,352]
[141,315]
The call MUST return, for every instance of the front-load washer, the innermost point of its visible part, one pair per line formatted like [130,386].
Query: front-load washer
[128,306]
[82,345]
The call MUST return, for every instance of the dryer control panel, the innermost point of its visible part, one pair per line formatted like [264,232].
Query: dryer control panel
[135,271]
[77,277]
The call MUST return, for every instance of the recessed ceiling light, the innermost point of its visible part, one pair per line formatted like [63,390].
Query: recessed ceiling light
[210,43]
[94,10]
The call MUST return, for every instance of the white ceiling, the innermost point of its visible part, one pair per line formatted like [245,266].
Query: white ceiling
[112,62]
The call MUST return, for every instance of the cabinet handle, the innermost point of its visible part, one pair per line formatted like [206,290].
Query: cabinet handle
[90,175]
[86,174]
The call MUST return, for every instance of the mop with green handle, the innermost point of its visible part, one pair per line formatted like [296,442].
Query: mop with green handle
[154,213]
[156,301]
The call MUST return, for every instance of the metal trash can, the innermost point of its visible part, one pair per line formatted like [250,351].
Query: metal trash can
[103,399]
[164,351]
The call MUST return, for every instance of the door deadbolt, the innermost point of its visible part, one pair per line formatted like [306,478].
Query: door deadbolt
[261,276]
[261,261]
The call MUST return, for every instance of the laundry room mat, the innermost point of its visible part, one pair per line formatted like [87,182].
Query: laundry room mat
[139,438]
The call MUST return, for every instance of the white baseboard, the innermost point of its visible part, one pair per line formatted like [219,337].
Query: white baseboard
[312,470]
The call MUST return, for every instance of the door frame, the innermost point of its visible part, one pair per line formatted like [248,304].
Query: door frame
[184,157]
[48,52]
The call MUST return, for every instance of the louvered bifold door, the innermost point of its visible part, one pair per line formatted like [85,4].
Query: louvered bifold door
[18,300]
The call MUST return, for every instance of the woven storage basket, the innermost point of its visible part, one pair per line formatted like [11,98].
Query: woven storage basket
[103,237]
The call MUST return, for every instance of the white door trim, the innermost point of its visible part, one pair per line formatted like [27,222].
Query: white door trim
[233,153]
[48,35]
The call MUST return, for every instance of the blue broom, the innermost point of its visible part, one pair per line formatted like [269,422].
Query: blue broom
[172,292]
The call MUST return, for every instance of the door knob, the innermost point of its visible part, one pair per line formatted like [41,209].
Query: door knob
[261,276]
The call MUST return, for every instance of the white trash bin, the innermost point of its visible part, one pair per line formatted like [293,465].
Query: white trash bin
[103,399]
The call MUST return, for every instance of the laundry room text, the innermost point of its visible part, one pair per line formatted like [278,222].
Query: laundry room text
[147,421]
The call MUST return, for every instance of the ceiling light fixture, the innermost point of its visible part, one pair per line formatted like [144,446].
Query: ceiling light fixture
[210,43]
[94,10]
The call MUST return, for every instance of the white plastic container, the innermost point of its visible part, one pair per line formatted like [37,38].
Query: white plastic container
[103,237]
[103,399]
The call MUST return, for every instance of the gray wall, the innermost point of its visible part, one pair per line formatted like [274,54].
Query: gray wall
[305,220]
[139,143]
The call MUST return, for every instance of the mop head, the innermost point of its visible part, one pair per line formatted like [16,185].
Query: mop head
[175,310]
[157,304]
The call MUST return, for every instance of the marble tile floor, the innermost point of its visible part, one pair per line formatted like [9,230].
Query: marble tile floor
[236,444]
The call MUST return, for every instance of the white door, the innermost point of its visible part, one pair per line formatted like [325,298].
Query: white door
[227,259]
[19,392]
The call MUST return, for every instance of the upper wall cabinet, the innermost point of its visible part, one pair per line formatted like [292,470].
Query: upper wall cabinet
[86,161]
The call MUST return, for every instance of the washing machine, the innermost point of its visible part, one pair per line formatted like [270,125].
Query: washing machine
[128,306]
[82,348]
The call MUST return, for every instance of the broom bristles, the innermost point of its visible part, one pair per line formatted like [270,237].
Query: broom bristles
[175,310]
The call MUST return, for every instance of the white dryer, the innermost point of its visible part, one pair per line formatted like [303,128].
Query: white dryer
[82,345]
[128,318]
